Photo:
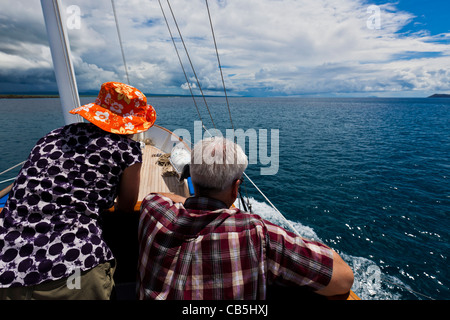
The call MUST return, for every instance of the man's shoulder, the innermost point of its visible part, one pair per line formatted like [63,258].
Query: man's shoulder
[246,220]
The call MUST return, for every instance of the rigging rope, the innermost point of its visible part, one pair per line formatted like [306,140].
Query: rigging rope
[406,288]
[190,61]
[217,54]
[181,63]
[13,167]
[220,65]
[7,180]
[231,120]
[120,42]
[273,206]
[19,164]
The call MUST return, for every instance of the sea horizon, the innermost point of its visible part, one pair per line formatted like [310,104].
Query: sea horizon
[39,95]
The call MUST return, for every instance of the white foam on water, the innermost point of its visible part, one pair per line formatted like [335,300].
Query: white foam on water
[266,212]
[369,284]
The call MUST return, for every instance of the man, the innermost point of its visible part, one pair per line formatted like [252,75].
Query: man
[202,248]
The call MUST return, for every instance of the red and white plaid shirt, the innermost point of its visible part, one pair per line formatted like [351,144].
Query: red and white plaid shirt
[203,251]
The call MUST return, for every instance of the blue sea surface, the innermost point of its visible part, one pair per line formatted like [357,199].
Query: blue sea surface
[368,177]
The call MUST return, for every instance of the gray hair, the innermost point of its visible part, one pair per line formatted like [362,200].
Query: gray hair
[216,163]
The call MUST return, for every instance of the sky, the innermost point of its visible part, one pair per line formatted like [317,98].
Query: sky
[318,48]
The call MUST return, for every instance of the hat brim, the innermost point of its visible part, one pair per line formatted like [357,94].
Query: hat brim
[113,122]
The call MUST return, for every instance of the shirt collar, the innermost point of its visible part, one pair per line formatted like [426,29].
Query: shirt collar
[204,203]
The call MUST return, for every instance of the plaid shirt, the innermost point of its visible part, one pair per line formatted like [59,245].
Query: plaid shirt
[201,251]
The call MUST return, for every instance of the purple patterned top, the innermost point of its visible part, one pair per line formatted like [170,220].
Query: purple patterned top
[50,225]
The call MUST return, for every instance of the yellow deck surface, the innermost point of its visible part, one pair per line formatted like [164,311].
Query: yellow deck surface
[152,179]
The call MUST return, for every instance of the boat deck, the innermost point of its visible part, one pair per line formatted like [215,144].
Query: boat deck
[153,179]
[120,229]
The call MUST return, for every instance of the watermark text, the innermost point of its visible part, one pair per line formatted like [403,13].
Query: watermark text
[261,148]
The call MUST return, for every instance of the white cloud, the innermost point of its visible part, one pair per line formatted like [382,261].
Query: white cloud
[282,47]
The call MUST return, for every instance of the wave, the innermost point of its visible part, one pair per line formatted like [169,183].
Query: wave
[370,282]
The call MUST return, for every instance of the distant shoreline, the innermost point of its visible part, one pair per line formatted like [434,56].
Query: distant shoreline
[27,96]
[47,96]
[55,96]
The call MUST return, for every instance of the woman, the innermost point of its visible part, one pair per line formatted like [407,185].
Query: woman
[51,244]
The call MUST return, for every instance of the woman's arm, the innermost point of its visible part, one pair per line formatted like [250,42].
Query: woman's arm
[174,197]
[129,188]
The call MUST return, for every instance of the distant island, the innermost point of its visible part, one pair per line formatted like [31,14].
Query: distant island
[440,95]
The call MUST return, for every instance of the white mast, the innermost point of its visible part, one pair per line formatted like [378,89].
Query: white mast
[62,63]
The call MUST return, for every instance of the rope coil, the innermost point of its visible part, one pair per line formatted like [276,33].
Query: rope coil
[164,162]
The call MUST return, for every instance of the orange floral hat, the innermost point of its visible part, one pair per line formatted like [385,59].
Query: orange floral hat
[119,108]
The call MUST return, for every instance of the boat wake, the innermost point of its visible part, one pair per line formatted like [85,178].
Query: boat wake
[370,282]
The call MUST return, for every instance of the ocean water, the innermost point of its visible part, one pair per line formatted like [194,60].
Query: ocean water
[368,177]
